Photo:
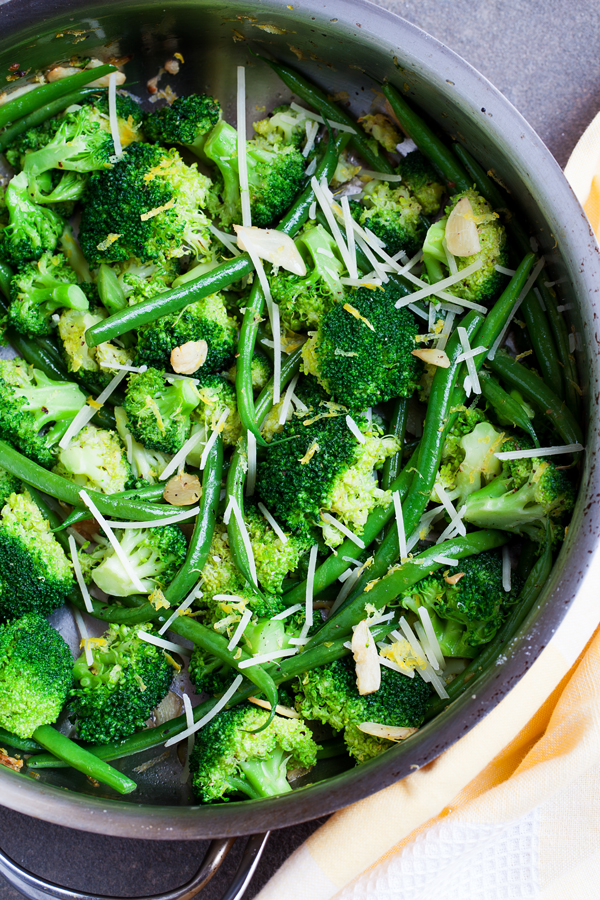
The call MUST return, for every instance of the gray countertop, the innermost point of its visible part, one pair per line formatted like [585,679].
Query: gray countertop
[544,58]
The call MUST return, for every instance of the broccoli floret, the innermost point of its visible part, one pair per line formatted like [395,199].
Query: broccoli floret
[329,694]
[30,140]
[32,229]
[319,466]
[90,365]
[304,300]
[116,694]
[275,175]
[59,189]
[96,459]
[229,759]
[39,289]
[146,464]
[159,413]
[205,320]
[35,574]
[207,673]
[155,555]
[35,674]
[528,497]
[284,126]
[382,129]
[392,215]
[186,121]
[420,178]
[362,350]
[345,170]
[148,205]
[468,612]
[216,395]
[8,485]
[261,371]
[83,142]
[468,456]
[35,411]
[483,285]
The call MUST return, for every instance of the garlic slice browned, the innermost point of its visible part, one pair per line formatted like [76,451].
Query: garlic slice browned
[389,732]
[368,670]
[433,357]
[183,490]
[271,245]
[189,357]
[461,234]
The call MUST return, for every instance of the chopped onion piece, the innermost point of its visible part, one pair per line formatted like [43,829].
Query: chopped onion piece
[273,246]
[219,705]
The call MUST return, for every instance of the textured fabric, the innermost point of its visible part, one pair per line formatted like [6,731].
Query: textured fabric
[512,810]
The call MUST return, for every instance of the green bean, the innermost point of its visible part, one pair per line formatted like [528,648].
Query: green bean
[13,740]
[79,758]
[505,405]
[490,652]
[62,489]
[41,115]
[561,340]
[146,492]
[330,111]
[537,393]
[429,144]
[393,464]
[542,342]
[47,93]
[401,578]
[6,275]
[286,670]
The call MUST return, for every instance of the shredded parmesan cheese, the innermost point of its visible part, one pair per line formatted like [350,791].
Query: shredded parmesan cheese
[122,556]
[506,573]
[185,604]
[83,634]
[237,634]
[210,442]
[526,288]
[400,525]
[155,523]
[287,399]
[79,575]
[540,451]
[327,517]
[112,113]
[308,114]
[471,368]
[355,430]
[219,705]
[180,456]
[265,658]
[241,146]
[289,611]
[274,525]
[251,473]
[162,643]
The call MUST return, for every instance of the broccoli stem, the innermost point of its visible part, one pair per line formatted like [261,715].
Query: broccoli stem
[48,93]
[267,777]
[82,760]
[488,656]
[538,393]
[505,405]
[429,144]
[62,489]
[316,98]
[403,577]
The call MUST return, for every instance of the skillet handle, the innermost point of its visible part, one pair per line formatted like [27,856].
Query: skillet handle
[35,888]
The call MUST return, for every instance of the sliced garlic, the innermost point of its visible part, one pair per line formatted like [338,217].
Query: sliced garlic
[183,490]
[433,357]
[286,711]
[168,708]
[189,357]
[57,73]
[390,732]
[461,234]
[453,579]
[273,246]
[366,658]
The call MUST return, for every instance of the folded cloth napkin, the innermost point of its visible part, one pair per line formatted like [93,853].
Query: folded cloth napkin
[512,810]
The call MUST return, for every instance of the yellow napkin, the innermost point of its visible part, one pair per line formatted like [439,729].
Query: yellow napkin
[512,810]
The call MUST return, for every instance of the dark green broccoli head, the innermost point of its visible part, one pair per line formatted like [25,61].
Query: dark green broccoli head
[148,205]
[229,759]
[330,695]
[476,601]
[129,113]
[31,140]
[35,674]
[362,350]
[96,460]
[421,179]
[159,413]
[205,320]
[186,121]
[261,371]
[319,466]
[154,554]
[39,289]
[392,215]
[8,485]
[35,574]
[207,673]
[304,300]
[146,465]
[532,496]
[32,229]
[116,694]
[35,410]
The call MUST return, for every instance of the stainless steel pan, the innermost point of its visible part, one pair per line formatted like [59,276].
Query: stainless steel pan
[347,46]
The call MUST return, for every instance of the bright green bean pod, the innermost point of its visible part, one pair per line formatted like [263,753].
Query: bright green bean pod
[52,517]
[393,464]
[559,330]
[147,492]
[79,758]
[6,275]
[542,342]
[438,154]
[403,577]
[331,112]
[47,93]
[13,740]
[537,393]
[490,652]
[505,405]
[41,115]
